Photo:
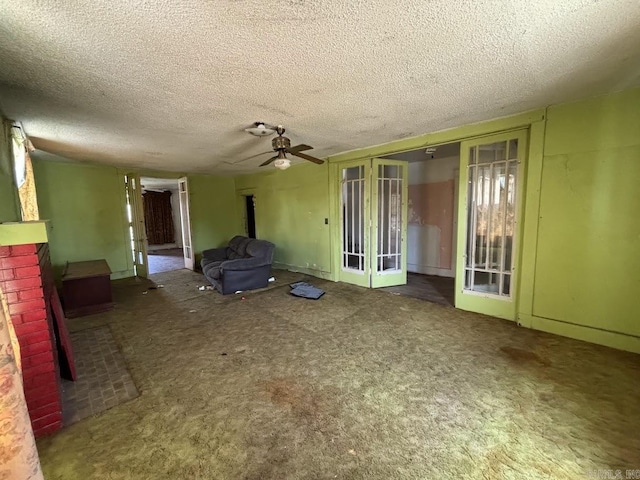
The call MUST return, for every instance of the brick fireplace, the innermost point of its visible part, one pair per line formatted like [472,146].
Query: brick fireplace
[27,282]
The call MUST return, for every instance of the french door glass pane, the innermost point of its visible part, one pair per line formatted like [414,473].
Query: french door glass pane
[486,282]
[493,152]
[510,223]
[491,210]
[513,149]
[506,284]
[353,222]
[389,241]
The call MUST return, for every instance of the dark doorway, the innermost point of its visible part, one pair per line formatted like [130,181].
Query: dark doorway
[251,216]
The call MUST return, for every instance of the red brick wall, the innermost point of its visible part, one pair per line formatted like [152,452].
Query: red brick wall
[26,280]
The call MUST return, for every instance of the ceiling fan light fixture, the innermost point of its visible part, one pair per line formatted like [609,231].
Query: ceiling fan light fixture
[282,162]
[259,129]
[282,145]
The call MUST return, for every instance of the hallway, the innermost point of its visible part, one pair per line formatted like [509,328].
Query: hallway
[165,260]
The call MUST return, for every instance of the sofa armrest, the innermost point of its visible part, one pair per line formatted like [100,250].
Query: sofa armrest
[243,264]
[215,254]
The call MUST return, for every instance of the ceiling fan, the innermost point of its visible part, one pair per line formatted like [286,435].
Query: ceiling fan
[282,145]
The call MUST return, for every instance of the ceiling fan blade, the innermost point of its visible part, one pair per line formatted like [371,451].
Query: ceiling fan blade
[268,161]
[300,148]
[249,158]
[307,157]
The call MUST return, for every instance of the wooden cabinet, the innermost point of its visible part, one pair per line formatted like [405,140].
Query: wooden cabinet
[86,288]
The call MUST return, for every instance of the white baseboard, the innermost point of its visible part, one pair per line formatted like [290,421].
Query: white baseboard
[617,340]
[306,270]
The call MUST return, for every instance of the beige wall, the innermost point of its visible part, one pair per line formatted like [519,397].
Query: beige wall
[431,216]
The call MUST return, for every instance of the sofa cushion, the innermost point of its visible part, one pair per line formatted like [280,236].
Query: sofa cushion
[212,270]
[260,249]
[206,262]
[238,247]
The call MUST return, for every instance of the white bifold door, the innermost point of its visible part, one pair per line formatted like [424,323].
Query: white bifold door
[135,219]
[373,222]
[187,249]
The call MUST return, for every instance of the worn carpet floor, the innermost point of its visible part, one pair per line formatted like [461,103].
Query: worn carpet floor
[360,384]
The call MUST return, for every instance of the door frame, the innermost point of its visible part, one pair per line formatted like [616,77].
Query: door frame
[133,197]
[241,210]
[480,302]
[185,223]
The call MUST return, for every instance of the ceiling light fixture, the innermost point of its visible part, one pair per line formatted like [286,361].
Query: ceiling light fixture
[282,162]
[430,152]
[259,129]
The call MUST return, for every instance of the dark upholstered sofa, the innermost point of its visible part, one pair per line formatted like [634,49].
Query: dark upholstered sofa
[244,264]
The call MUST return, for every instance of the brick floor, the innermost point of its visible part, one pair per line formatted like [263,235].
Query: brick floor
[103,379]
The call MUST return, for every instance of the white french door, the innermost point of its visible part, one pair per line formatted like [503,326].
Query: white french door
[135,218]
[389,215]
[490,202]
[355,215]
[373,222]
[185,220]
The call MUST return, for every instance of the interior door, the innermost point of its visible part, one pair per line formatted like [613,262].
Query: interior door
[489,226]
[389,223]
[187,249]
[373,222]
[135,216]
[355,215]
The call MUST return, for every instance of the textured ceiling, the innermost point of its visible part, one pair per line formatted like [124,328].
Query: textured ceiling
[171,84]
[150,183]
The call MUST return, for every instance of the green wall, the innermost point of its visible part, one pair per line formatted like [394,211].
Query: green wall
[588,248]
[213,211]
[85,204]
[291,207]
[9,203]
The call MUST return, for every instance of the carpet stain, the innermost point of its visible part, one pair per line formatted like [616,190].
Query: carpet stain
[546,397]
[289,394]
[500,463]
[524,357]
[496,460]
